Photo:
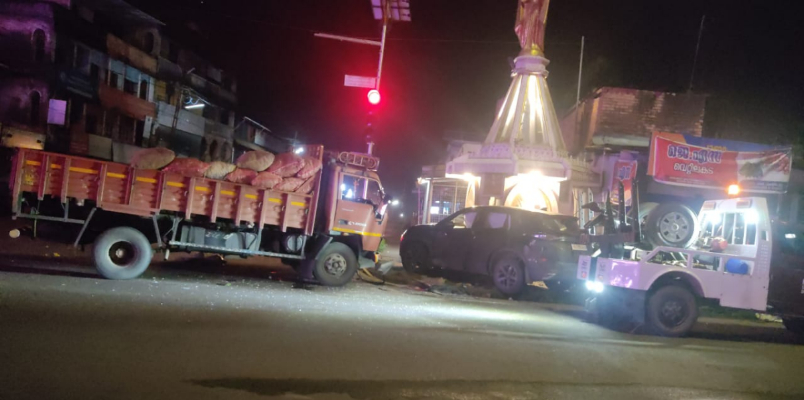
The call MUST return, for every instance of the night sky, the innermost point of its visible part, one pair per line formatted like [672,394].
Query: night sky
[447,69]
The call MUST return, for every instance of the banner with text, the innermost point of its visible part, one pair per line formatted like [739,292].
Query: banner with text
[713,163]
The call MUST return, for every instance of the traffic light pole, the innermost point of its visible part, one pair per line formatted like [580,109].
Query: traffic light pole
[382,49]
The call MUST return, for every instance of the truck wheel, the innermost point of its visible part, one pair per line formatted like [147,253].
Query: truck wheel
[121,253]
[415,258]
[672,225]
[336,265]
[508,276]
[795,325]
[671,311]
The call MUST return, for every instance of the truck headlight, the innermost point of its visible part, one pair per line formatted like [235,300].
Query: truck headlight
[594,286]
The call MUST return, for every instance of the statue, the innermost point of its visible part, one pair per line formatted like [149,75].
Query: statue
[531,18]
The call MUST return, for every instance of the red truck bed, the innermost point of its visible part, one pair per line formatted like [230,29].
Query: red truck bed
[120,188]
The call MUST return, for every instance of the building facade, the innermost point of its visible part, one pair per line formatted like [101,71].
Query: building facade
[101,78]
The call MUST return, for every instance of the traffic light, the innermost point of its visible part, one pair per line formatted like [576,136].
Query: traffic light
[370,120]
[374,97]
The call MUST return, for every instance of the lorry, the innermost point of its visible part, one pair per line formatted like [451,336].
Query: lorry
[741,259]
[326,235]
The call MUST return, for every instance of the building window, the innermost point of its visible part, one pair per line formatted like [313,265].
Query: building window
[144,90]
[203,150]
[77,110]
[226,152]
[173,53]
[224,117]
[213,150]
[139,131]
[38,41]
[130,87]
[94,72]
[148,42]
[81,57]
[209,112]
[114,80]
[36,100]
[127,130]
[110,124]
[91,124]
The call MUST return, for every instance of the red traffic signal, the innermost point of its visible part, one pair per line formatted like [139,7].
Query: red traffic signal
[374,96]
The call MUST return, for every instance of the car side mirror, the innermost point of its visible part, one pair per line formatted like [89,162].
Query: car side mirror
[447,225]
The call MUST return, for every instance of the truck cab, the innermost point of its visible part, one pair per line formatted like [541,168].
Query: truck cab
[356,204]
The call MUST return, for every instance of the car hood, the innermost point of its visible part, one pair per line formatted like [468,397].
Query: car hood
[418,232]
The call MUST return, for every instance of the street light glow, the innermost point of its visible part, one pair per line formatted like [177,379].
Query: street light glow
[192,106]
[299,150]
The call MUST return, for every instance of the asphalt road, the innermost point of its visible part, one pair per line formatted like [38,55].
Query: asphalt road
[178,333]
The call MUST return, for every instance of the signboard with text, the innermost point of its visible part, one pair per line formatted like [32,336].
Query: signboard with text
[713,163]
[368,82]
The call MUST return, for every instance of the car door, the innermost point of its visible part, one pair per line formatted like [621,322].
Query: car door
[490,236]
[453,237]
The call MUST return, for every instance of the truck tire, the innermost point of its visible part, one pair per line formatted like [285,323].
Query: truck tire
[671,311]
[121,253]
[508,276]
[672,225]
[795,325]
[336,265]
[415,258]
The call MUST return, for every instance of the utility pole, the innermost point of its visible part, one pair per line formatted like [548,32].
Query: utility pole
[697,49]
[580,74]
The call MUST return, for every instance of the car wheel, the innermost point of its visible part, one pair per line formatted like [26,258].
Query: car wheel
[336,265]
[121,253]
[795,325]
[672,225]
[415,258]
[508,276]
[671,311]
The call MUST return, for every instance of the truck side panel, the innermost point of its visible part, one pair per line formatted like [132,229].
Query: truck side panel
[120,188]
